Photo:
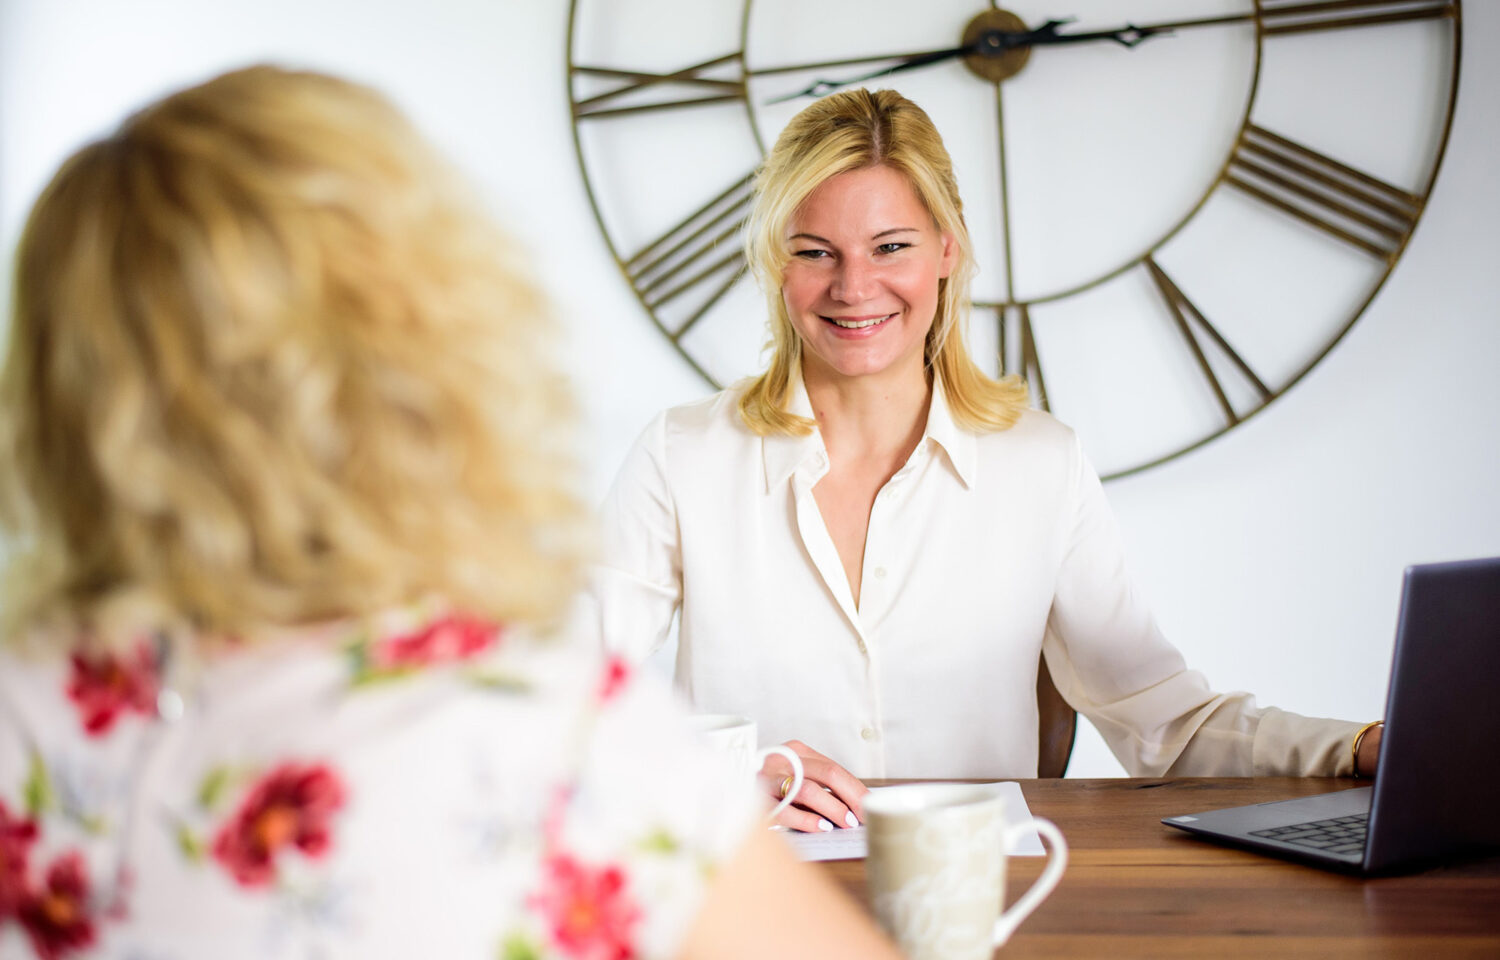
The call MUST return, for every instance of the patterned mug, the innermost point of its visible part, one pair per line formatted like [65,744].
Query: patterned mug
[936,868]
[734,736]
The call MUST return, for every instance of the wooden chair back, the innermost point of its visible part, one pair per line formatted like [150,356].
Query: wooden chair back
[1057,729]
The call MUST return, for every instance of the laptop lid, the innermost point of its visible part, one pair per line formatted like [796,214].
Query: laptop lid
[1439,776]
[1435,792]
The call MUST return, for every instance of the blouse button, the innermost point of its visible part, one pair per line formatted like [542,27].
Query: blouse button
[169,705]
[868,733]
[880,573]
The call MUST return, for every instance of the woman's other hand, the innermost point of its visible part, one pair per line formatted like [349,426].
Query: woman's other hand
[1369,752]
[831,797]
[763,903]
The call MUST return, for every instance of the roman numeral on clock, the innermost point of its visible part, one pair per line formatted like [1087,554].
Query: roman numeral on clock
[1194,327]
[707,89]
[700,252]
[1344,202]
[1284,18]
[1018,354]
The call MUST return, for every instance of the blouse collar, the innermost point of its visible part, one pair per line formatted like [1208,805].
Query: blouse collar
[782,455]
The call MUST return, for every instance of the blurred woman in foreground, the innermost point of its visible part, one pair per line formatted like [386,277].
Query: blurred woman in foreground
[285,481]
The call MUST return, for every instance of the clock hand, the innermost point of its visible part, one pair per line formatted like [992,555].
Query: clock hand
[821,87]
[1129,35]
[994,43]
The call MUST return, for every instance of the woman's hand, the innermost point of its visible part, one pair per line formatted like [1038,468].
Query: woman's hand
[831,797]
[1369,753]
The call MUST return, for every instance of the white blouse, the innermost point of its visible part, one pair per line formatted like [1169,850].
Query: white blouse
[983,551]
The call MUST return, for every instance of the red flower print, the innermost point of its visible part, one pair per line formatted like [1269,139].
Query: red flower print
[556,815]
[16,838]
[105,685]
[56,918]
[616,675]
[589,911]
[445,640]
[292,806]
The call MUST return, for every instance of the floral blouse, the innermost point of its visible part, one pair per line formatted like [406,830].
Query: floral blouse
[431,787]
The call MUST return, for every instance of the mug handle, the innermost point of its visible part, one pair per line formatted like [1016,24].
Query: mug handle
[1057,861]
[796,763]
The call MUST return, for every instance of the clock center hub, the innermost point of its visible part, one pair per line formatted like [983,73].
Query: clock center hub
[994,60]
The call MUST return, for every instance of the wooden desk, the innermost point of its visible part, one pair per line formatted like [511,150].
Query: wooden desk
[1136,888]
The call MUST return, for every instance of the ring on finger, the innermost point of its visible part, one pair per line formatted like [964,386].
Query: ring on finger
[785,786]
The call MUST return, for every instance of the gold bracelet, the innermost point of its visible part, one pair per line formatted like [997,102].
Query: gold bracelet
[1359,738]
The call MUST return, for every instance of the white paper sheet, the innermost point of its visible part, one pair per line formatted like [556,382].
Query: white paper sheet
[849,843]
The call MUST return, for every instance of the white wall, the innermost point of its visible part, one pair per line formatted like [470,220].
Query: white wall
[1273,554]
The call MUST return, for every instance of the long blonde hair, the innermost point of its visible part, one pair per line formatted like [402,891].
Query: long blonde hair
[848,131]
[267,366]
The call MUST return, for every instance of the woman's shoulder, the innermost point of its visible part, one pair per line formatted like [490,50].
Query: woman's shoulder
[1037,430]
[699,435]
[713,414]
[1037,453]
[506,761]
[323,686]
[302,684]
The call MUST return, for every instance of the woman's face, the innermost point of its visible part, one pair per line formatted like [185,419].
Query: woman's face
[861,287]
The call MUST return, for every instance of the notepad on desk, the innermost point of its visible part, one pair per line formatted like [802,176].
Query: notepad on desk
[849,843]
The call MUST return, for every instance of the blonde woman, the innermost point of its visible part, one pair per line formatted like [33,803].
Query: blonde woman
[287,497]
[870,545]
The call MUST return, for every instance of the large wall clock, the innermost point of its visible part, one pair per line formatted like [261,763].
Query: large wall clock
[1178,206]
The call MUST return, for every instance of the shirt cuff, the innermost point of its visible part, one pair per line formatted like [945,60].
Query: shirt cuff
[1291,745]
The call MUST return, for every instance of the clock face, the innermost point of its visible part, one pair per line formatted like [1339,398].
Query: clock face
[1178,206]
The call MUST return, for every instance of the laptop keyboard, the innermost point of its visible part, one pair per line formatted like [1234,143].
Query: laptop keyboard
[1338,835]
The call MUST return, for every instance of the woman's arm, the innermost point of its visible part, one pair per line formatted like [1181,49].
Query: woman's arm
[636,586]
[764,903]
[1111,661]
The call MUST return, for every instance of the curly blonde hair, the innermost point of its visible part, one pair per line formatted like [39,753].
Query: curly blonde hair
[840,133]
[268,366]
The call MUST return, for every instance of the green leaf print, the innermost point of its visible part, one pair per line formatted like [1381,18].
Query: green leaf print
[499,682]
[660,841]
[364,671]
[211,788]
[518,946]
[189,844]
[37,791]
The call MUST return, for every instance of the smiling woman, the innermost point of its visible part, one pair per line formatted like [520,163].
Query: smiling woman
[872,544]
[861,288]
[856,164]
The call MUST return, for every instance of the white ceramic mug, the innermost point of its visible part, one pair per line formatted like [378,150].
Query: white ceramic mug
[735,736]
[936,868]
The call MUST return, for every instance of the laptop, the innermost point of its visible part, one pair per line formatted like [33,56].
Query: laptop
[1437,791]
